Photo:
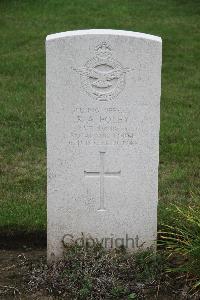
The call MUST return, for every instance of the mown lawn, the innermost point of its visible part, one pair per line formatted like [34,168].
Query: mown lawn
[23,28]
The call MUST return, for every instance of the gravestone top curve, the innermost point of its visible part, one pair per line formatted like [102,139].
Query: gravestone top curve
[103,31]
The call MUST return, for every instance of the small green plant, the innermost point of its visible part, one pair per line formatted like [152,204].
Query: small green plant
[132,296]
[118,291]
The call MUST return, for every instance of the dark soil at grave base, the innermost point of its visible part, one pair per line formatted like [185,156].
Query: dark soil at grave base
[11,239]
[13,270]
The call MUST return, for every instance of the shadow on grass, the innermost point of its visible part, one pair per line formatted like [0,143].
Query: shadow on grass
[19,239]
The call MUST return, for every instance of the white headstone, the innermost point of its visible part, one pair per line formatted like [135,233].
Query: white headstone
[103,115]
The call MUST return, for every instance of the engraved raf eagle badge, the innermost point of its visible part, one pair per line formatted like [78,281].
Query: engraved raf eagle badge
[103,77]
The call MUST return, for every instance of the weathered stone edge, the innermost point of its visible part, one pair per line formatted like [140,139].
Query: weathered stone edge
[103,31]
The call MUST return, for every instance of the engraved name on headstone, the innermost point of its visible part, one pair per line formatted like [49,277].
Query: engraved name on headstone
[103,117]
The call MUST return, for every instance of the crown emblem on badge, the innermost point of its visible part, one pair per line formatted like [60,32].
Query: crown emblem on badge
[103,50]
[103,77]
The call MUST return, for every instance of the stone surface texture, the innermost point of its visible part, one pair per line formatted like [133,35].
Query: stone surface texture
[103,117]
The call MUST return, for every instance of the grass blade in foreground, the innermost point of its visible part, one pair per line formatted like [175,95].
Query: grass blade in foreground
[182,240]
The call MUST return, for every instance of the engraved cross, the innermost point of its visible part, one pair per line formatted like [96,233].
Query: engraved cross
[102,174]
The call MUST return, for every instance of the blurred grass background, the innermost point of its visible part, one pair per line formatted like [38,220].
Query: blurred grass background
[23,28]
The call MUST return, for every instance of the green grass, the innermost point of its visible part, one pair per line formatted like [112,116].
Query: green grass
[23,28]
